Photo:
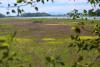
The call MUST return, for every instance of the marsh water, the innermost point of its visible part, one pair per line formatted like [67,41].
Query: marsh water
[57,17]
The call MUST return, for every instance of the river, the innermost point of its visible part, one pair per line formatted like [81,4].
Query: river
[57,17]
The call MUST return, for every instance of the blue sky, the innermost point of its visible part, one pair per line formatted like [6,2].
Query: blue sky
[57,7]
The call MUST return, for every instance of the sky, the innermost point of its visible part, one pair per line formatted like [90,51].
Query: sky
[56,7]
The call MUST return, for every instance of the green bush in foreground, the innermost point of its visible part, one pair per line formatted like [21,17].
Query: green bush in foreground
[88,45]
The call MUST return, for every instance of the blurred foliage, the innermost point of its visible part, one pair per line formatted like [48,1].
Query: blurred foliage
[85,45]
[52,61]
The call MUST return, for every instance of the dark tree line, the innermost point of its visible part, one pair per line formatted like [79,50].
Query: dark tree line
[34,14]
[93,12]
[1,15]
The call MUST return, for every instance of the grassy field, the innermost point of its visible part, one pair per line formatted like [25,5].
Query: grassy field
[37,39]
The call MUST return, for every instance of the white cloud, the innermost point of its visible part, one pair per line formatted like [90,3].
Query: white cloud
[70,1]
[63,8]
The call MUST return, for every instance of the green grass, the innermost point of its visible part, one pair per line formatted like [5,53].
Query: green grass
[88,37]
[33,50]
[47,20]
[5,26]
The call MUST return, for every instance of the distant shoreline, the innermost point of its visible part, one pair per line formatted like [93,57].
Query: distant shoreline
[51,17]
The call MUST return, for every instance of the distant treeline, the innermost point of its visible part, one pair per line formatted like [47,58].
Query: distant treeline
[34,14]
[93,12]
[1,15]
[90,12]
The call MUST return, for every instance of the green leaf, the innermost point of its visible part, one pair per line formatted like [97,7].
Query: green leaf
[30,3]
[85,11]
[15,4]
[7,13]
[3,47]
[19,1]
[13,11]
[38,0]
[48,59]
[5,44]
[19,11]
[76,29]
[36,8]
[62,63]
[91,1]
[80,58]
[22,10]
[10,59]
[8,5]
[1,61]
[85,47]
[42,1]
[52,0]
[74,65]
[5,55]
[2,41]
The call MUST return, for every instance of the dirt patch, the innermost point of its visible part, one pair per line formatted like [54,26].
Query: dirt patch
[30,29]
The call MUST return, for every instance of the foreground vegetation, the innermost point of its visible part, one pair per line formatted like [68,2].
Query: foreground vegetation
[46,43]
